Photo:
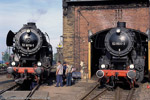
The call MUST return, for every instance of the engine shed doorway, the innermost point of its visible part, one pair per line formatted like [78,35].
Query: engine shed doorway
[97,49]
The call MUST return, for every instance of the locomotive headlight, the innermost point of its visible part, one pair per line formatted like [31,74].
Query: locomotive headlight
[131,66]
[39,64]
[118,30]
[103,66]
[13,63]
[28,30]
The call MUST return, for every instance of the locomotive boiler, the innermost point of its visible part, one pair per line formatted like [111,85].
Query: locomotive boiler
[123,55]
[32,54]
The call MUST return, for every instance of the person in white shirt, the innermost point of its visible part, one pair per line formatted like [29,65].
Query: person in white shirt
[59,74]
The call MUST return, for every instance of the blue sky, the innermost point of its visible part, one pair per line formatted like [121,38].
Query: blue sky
[46,13]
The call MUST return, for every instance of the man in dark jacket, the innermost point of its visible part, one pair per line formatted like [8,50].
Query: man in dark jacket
[64,71]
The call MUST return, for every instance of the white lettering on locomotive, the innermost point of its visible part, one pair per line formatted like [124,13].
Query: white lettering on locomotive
[27,45]
[118,43]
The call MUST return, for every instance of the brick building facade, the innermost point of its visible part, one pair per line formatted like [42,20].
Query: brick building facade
[81,17]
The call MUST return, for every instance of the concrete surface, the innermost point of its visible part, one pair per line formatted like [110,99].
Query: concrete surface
[74,92]
[14,95]
[21,95]
[40,95]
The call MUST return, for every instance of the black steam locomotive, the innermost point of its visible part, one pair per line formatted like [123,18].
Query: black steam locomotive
[123,55]
[32,54]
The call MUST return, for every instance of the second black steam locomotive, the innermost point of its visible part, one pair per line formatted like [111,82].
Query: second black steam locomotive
[32,54]
[123,55]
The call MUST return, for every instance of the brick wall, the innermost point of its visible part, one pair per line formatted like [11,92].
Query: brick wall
[68,36]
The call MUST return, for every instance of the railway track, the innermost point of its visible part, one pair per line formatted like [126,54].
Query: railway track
[94,93]
[3,71]
[130,94]
[121,94]
[32,92]
[9,88]
[16,87]
[104,94]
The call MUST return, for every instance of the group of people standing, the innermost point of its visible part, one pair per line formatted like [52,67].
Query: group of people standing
[63,74]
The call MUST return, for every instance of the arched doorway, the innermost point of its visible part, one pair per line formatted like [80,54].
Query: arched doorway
[97,48]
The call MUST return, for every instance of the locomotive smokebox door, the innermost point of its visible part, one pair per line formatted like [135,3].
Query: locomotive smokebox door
[9,40]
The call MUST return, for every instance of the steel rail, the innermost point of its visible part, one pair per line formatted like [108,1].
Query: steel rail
[32,92]
[130,94]
[85,96]
[117,93]
[10,88]
[98,95]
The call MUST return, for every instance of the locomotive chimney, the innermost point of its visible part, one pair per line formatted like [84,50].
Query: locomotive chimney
[121,24]
[31,23]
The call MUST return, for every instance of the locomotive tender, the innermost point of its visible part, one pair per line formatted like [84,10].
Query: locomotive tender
[32,54]
[123,55]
